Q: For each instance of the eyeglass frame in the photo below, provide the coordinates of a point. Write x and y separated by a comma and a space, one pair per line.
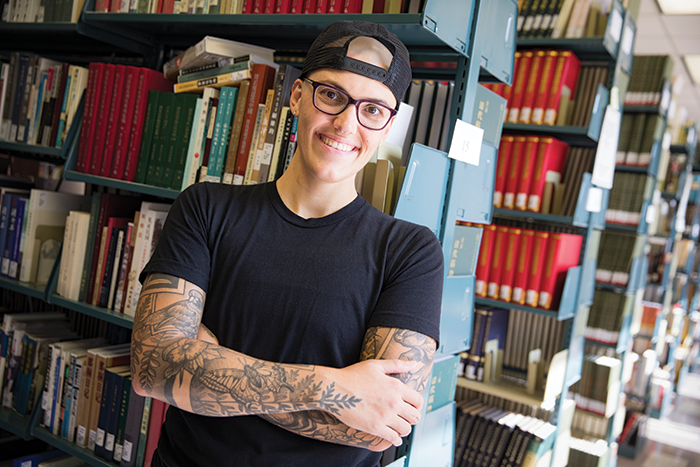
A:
351, 100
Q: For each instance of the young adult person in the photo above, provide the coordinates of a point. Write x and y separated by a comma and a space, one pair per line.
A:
291, 323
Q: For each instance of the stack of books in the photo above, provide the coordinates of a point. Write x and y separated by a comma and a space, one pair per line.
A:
649, 72
599, 378
585, 452
525, 266
615, 255
627, 197
39, 99
562, 18
41, 11
605, 318
638, 132
486, 435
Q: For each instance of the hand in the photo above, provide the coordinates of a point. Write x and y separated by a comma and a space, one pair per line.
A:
387, 407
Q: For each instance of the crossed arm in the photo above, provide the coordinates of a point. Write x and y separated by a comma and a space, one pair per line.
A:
360, 405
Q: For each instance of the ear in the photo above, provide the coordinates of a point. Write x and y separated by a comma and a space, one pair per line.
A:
295, 97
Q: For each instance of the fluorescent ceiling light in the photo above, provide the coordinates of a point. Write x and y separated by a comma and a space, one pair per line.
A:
692, 63
679, 7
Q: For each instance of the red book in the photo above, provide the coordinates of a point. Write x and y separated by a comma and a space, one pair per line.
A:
258, 7
563, 251
154, 426
520, 80
113, 120
511, 185
149, 80
114, 6
512, 250
168, 6
536, 267
126, 117
378, 6
528, 156
549, 168
352, 6
497, 88
269, 6
87, 129
100, 119
335, 6
321, 6
65, 69
110, 206
545, 84
283, 6
504, 152
297, 6
309, 6
112, 222
563, 84
102, 6
499, 249
531, 88
483, 265
522, 268
247, 7
263, 79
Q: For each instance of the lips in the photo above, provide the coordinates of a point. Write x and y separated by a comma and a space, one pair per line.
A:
336, 145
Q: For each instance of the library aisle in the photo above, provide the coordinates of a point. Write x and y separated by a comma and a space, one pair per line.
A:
674, 440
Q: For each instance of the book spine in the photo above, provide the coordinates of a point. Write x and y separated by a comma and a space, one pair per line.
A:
484, 263
539, 250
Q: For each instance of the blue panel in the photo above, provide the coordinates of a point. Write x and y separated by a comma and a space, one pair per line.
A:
567, 305
635, 274
489, 113
456, 318
624, 336
475, 203
602, 99
655, 158
625, 57
423, 191
643, 225
433, 439
611, 39
587, 282
575, 363
495, 37
581, 216
450, 21
598, 218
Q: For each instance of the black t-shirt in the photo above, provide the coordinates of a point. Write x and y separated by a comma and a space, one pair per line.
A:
290, 290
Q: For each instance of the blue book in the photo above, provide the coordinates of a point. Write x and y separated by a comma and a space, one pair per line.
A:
10, 235
495, 327
33, 460
225, 130
4, 218
17, 242
103, 419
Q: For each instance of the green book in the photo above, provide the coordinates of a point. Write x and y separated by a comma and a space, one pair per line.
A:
635, 142
148, 128
188, 140
121, 424
143, 432
92, 232
623, 142
226, 132
168, 139
161, 136
182, 126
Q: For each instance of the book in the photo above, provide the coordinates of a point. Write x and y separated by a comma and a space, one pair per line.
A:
520, 80
494, 277
222, 130
512, 249
502, 165
235, 133
157, 413
131, 428
209, 50
161, 130
548, 168
125, 117
225, 79
259, 148
527, 164
197, 140
563, 251
520, 281
566, 75
207, 135
484, 261
112, 120
530, 90
544, 86
536, 267
510, 187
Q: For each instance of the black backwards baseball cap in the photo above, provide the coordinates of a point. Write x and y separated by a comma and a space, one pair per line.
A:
359, 38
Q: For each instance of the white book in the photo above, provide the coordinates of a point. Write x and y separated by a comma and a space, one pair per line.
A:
78, 249
142, 252
194, 153
115, 267
45, 208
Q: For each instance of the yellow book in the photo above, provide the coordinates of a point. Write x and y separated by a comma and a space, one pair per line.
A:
218, 81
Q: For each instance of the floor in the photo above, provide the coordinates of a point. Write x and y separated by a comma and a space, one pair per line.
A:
673, 441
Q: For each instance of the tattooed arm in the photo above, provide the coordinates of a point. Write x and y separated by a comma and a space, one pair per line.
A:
169, 363
379, 343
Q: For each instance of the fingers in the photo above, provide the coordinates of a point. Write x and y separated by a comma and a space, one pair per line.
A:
396, 366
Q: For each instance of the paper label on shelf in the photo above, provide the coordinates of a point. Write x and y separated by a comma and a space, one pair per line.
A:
604, 167
627, 40
466, 143
666, 142
594, 201
534, 356
665, 99
650, 216
615, 25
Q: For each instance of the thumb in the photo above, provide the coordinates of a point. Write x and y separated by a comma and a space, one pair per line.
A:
396, 366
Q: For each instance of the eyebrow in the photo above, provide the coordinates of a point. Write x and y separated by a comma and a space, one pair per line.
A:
377, 100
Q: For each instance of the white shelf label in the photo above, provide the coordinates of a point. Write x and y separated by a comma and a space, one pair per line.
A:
466, 143
594, 201
627, 40
604, 167
615, 25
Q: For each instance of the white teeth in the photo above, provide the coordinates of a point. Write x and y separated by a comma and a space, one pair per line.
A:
337, 145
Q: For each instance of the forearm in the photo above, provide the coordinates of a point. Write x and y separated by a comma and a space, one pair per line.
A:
170, 364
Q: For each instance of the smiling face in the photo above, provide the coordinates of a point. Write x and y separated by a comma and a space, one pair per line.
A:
333, 148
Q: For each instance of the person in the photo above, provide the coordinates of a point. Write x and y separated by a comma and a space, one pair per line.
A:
291, 323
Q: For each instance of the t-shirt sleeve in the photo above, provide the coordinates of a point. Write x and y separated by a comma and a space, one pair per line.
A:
412, 296
182, 250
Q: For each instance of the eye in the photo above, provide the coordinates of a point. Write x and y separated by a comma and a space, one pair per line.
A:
373, 110
330, 95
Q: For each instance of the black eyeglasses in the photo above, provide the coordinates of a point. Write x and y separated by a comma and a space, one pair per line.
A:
333, 101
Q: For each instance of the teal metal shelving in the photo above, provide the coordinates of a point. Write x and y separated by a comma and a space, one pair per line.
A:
68, 447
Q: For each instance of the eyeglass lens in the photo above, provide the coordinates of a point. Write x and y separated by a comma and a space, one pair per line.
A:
333, 101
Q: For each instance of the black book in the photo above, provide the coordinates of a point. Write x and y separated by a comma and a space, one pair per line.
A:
464, 432
476, 435
503, 441
488, 429
483, 457
114, 241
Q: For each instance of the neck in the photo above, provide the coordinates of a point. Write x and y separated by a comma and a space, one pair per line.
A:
309, 198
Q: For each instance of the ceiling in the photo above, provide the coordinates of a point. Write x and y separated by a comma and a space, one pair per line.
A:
674, 35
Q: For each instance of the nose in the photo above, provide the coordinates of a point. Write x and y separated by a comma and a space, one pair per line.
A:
346, 121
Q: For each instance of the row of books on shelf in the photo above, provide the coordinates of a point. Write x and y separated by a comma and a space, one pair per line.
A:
633, 426
517, 332
616, 252
562, 18
524, 266
544, 83
599, 387
48, 458
605, 317
487, 435
626, 198
260, 6
638, 132
649, 73
587, 424
39, 99
36, 11
82, 387
588, 453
